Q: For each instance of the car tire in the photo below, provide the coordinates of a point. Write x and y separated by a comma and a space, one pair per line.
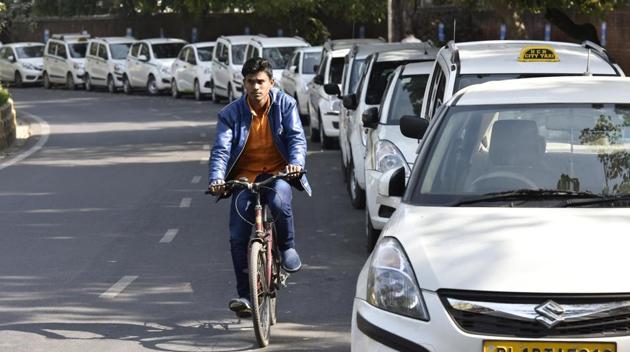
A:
344, 169
357, 195
303, 118
371, 232
197, 91
127, 85
327, 142
88, 83
152, 87
46, 80
111, 84
17, 80
230, 94
70, 85
215, 96
314, 132
174, 91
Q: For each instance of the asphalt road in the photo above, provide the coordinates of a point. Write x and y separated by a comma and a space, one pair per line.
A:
107, 242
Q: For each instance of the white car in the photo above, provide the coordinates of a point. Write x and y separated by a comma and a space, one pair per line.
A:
227, 62
22, 63
324, 108
149, 64
512, 232
462, 64
300, 70
379, 65
192, 70
105, 62
386, 147
64, 60
278, 51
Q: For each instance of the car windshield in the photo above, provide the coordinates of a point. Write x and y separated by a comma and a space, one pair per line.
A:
278, 57
407, 97
119, 51
336, 69
378, 79
77, 50
557, 147
238, 54
167, 50
358, 65
27, 52
205, 53
310, 61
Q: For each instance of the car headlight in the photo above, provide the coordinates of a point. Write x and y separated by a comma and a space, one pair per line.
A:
78, 66
28, 66
165, 70
118, 68
392, 285
387, 156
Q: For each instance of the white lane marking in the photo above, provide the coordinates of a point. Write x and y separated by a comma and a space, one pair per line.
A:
44, 132
203, 161
118, 287
196, 179
185, 203
169, 236
206, 147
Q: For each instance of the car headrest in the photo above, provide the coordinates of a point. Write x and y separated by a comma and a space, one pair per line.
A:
516, 143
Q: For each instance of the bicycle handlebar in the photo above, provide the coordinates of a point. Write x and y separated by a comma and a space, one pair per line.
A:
257, 185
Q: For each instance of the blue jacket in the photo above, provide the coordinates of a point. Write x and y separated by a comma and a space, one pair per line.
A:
233, 127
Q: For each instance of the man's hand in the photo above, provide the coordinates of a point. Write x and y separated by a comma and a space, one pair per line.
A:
217, 187
293, 170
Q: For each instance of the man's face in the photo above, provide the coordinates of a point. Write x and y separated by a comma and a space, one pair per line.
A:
257, 86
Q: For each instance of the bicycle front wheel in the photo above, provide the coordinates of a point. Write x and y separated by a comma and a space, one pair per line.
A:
259, 292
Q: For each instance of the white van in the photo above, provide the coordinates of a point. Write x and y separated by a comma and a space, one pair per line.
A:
105, 62
22, 63
149, 64
64, 60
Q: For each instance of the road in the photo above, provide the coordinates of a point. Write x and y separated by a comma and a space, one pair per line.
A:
107, 242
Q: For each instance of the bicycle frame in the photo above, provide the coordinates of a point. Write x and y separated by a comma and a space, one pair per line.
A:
263, 233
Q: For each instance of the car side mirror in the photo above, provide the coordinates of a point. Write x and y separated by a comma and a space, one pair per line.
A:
350, 101
11, 58
370, 118
392, 183
319, 79
332, 89
143, 58
223, 59
293, 69
413, 126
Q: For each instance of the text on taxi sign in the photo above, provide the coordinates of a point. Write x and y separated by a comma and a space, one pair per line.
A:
538, 54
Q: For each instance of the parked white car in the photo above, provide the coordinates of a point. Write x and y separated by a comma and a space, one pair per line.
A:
149, 64
511, 235
64, 60
105, 62
324, 108
379, 65
278, 51
462, 64
227, 63
386, 147
22, 63
192, 70
299, 72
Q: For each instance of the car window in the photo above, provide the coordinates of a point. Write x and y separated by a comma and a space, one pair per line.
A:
437, 78
378, 79
407, 97
205, 53
102, 52
52, 48
119, 51
190, 58
309, 62
224, 52
321, 68
336, 68
144, 50
26, 52
77, 50
93, 49
182, 54
61, 51
295, 61
134, 49
167, 50
3, 53
238, 54
219, 50
356, 73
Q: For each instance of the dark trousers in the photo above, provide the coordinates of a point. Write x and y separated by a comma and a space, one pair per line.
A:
279, 202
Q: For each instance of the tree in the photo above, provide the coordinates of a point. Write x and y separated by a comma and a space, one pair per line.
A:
12, 11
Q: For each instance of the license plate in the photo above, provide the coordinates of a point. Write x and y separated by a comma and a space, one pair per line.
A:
544, 346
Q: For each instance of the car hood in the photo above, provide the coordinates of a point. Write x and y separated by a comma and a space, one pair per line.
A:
165, 62
37, 61
406, 145
533, 250
277, 75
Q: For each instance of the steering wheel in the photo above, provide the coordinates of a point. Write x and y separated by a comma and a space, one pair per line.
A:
502, 181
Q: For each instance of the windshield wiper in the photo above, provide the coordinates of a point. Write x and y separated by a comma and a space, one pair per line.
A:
622, 197
527, 194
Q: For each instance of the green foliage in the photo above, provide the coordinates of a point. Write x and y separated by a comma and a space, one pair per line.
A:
4, 95
588, 7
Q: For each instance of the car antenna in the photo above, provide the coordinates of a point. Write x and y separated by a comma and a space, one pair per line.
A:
588, 64
454, 29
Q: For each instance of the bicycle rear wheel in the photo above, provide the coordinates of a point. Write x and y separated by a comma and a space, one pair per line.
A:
259, 292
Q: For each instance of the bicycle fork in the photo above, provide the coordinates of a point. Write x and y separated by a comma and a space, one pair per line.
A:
267, 240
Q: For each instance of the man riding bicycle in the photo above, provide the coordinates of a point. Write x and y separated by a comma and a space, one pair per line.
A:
258, 135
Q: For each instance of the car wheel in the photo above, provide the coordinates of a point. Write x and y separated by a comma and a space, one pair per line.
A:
47, 84
127, 85
357, 195
198, 95
111, 85
344, 169
371, 232
174, 91
88, 82
315, 132
18, 79
215, 96
230, 94
70, 82
303, 118
152, 87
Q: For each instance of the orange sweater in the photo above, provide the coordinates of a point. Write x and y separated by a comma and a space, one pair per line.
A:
260, 154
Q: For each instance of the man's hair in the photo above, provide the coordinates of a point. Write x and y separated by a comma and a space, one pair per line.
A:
255, 65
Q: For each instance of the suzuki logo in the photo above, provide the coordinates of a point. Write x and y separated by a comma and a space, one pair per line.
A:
550, 314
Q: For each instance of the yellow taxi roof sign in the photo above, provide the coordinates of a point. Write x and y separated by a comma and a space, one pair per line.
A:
538, 53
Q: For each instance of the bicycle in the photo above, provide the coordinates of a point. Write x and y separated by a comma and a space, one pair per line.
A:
265, 275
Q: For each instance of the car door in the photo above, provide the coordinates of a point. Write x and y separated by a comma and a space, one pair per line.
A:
59, 66
191, 70
179, 66
290, 74
102, 64
141, 70
221, 65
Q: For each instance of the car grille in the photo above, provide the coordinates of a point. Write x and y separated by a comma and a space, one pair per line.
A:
604, 324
